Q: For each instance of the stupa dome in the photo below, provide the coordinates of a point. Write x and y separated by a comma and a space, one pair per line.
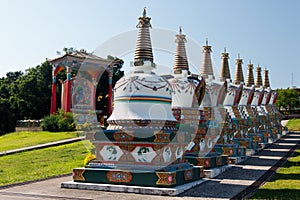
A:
184, 92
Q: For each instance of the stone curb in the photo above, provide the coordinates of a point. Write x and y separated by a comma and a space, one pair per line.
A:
41, 146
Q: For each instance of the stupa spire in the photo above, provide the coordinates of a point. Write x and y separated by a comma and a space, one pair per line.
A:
206, 68
143, 50
258, 81
180, 62
225, 72
239, 76
250, 76
266, 79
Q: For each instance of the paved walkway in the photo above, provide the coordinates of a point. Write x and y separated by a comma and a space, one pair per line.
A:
231, 184
40, 146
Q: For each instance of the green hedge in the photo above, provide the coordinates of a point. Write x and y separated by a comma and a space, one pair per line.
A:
61, 121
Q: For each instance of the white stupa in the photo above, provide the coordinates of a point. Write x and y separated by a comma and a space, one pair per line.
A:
142, 99
183, 89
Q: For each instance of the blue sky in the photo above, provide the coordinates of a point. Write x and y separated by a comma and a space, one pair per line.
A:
267, 32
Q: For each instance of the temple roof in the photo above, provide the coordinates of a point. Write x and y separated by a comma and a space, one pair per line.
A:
143, 51
76, 58
225, 72
239, 76
181, 61
258, 81
250, 76
206, 68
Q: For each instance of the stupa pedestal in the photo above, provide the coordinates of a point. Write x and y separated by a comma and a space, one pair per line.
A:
123, 159
201, 151
238, 143
203, 131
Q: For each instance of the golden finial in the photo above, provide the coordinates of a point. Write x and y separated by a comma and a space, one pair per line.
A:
144, 12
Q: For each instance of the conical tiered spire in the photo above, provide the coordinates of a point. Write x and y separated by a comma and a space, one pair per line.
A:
239, 76
225, 72
206, 68
143, 51
266, 79
181, 62
250, 76
258, 81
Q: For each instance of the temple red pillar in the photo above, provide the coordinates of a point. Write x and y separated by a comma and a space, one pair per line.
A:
68, 91
53, 97
110, 94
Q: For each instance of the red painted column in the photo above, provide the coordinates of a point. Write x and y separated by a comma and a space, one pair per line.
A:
68, 91
53, 97
110, 93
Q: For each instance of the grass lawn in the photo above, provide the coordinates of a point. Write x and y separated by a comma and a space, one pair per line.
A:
293, 125
24, 139
285, 184
42, 163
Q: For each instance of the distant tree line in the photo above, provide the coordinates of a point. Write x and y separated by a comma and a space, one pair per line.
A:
25, 96
288, 101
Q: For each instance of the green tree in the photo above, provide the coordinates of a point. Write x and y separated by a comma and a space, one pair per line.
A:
34, 92
7, 117
288, 99
29, 93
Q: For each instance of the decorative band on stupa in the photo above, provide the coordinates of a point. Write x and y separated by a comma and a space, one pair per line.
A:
225, 72
266, 79
206, 68
250, 76
239, 77
143, 51
180, 62
258, 81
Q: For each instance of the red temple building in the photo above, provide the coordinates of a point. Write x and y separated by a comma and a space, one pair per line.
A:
91, 68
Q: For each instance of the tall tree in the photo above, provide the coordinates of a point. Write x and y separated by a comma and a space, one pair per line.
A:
7, 117
288, 99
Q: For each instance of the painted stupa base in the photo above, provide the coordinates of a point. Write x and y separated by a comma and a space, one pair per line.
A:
268, 136
243, 142
251, 146
211, 160
104, 174
167, 191
273, 135
187, 117
213, 172
152, 158
256, 139
234, 152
